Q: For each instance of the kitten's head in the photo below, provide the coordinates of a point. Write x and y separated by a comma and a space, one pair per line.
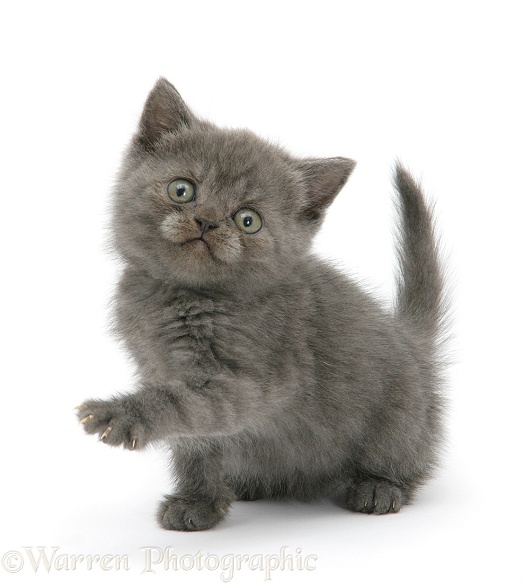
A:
210, 207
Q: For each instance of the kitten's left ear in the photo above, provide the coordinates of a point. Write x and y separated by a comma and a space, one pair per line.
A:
165, 111
323, 179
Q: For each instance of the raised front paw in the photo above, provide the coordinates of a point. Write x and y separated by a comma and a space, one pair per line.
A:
188, 514
375, 496
117, 422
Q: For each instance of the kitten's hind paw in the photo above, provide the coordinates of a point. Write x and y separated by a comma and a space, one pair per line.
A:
375, 496
177, 513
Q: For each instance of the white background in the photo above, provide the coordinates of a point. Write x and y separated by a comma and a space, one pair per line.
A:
439, 85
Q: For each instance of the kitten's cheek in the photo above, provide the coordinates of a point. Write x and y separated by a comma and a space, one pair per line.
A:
229, 252
172, 228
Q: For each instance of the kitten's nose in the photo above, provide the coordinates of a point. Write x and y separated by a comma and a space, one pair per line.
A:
204, 224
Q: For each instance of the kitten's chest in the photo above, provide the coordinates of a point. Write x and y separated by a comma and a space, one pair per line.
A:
177, 334
191, 330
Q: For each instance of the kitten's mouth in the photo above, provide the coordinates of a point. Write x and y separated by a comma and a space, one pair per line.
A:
199, 244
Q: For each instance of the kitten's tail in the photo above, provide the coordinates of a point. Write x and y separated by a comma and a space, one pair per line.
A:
420, 283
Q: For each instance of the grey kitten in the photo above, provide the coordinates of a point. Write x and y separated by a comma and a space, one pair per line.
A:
267, 372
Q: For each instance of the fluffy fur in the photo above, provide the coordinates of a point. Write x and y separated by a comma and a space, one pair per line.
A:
267, 372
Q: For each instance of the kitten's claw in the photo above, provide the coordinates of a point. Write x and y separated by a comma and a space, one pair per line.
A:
105, 433
375, 496
115, 422
176, 513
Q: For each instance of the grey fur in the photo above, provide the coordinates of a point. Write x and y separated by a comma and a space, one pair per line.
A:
268, 373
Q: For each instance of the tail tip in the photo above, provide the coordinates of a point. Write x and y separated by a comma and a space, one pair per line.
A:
403, 178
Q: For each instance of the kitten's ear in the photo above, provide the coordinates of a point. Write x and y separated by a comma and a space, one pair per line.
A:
323, 178
165, 111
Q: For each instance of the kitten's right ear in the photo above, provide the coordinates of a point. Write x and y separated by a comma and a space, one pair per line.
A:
165, 111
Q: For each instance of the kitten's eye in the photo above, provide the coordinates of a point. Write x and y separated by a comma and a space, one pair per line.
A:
247, 221
181, 191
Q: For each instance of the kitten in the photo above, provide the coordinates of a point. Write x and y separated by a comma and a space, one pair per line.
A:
267, 372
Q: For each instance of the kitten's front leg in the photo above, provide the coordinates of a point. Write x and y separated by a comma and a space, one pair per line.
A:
202, 498
159, 411
118, 421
